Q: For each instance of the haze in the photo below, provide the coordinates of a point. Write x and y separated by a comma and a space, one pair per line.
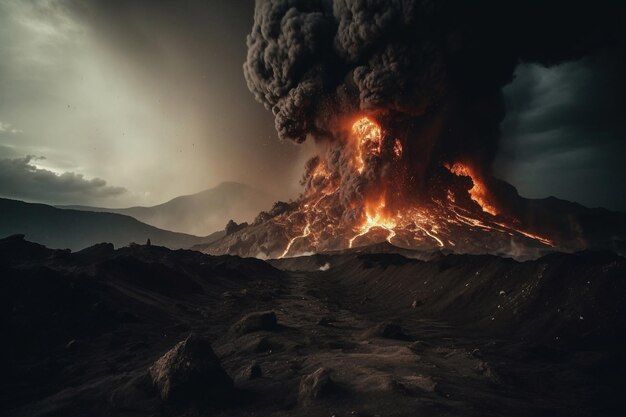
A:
136, 102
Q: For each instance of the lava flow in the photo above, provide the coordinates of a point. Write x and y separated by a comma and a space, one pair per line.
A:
360, 192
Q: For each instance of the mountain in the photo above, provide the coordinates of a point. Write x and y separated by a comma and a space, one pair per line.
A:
566, 226
74, 229
105, 332
202, 213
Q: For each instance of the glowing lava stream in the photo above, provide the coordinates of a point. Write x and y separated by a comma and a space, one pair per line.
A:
317, 223
439, 241
543, 240
305, 233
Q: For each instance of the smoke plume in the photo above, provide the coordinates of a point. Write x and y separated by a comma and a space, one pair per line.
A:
404, 98
410, 63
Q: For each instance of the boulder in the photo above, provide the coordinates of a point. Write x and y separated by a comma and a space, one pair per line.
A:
254, 322
252, 371
191, 372
315, 385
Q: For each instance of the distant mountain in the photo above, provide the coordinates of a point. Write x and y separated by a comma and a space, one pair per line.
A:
202, 213
74, 229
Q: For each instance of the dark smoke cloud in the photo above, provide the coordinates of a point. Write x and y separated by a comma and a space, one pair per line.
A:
411, 62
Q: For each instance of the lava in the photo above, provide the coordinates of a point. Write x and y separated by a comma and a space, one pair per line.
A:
478, 192
355, 194
368, 141
376, 217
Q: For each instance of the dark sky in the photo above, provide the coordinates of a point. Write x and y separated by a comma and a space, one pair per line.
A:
565, 131
138, 101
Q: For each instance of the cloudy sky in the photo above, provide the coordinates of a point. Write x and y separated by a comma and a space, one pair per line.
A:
118, 103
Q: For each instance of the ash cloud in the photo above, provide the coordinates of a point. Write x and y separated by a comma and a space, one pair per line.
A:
411, 63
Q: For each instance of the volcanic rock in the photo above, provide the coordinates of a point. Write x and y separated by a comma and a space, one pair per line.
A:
387, 331
191, 371
418, 346
251, 371
254, 322
315, 385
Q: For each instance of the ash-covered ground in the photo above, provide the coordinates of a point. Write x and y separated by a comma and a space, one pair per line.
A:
144, 330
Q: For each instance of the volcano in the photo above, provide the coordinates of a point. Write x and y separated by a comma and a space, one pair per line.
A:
403, 101
458, 211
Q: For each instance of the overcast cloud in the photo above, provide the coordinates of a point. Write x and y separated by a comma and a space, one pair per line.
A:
565, 131
149, 95
21, 178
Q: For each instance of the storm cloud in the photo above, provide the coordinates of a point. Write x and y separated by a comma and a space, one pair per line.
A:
565, 132
150, 94
318, 64
20, 178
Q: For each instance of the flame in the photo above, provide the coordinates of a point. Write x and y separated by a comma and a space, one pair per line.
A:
368, 141
375, 216
328, 218
478, 192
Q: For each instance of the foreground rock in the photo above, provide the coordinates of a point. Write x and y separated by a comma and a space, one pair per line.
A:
254, 322
190, 372
314, 386
387, 331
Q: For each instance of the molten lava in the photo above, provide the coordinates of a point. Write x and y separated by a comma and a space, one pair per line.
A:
478, 192
375, 216
368, 140
361, 191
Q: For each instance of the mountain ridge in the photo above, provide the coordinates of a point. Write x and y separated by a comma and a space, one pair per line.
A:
200, 213
76, 229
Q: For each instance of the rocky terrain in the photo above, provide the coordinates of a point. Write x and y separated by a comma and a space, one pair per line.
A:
568, 226
145, 330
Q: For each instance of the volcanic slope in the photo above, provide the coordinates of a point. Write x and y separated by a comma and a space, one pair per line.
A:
283, 232
369, 334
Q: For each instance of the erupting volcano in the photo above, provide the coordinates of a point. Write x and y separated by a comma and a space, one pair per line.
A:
404, 102
361, 191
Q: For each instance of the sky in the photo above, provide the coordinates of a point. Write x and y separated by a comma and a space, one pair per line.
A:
120, 103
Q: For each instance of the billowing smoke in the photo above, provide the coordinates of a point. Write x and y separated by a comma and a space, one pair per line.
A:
428, 74
410, 62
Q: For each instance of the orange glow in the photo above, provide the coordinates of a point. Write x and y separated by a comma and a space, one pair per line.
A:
369, 141
478, 192
375, 216
305, 233
328, 218
397, 148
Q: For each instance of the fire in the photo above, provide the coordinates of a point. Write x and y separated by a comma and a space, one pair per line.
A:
342, 208
478, 192
369, 141
376, 217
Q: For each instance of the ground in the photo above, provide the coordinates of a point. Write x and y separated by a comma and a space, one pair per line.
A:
368, 334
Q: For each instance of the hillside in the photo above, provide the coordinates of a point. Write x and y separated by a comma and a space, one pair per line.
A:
202, 213
74, 229
370, 334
